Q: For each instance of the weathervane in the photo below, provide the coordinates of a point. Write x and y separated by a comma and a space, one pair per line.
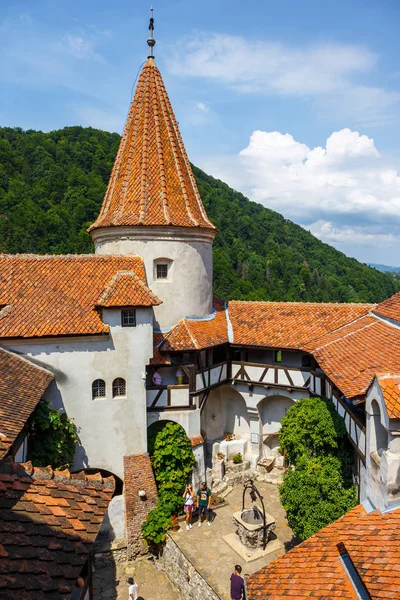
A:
151, 42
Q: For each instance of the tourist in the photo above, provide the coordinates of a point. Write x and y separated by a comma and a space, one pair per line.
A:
179, 374
157, 379
203, 502
188, 496
237, 584
133, 589
78, 589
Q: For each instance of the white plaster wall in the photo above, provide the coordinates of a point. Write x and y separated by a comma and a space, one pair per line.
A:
108, 428
188, 289
272, 410
225, 411
199, 468
189, 419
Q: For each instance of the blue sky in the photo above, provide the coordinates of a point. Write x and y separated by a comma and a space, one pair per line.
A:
296, 103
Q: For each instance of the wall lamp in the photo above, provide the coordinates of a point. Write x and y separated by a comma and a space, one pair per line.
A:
142, 494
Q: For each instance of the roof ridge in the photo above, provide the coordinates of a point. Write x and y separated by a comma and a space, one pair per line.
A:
27, 360
11, 468
91, 256
347, 335
297, 302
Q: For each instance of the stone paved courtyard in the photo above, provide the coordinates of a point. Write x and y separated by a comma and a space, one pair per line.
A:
110, 582
212, 557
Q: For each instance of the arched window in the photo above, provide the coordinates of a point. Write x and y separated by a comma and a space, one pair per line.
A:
119, 387
98, 389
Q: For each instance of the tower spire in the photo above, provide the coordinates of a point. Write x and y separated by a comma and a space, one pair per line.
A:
151, 42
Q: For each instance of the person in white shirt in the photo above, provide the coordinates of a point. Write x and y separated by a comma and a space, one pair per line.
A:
133, 589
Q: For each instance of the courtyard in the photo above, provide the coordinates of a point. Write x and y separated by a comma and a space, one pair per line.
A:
213, 558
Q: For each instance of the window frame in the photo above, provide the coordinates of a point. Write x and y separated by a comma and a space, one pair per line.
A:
101, 384
162, 265
124, 314
117, 384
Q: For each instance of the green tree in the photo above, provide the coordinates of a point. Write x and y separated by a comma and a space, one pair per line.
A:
172, 459
311, 428
53, 438
319, 489
316, 494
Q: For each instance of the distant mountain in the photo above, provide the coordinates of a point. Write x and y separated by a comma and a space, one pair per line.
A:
385, 268
52, 186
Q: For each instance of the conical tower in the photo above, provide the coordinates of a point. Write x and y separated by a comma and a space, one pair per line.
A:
152, 206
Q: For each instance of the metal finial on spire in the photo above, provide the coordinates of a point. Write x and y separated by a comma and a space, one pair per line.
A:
151, 42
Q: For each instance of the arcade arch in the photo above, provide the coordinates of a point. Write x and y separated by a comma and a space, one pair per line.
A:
272, 409
225, 412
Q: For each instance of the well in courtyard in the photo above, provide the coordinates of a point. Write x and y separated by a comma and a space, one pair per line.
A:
214, 558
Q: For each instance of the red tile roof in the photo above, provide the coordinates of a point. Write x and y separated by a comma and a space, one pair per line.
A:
313, 569
22, 385
390, 308
288, 324
48, 521
152, 181
390, 387
189, 334
352, 355
57, 295
159, 358
126, 289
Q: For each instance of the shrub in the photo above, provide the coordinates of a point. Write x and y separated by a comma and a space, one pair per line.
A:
311, 428
319, 490
172, 459
53, 438
315, 494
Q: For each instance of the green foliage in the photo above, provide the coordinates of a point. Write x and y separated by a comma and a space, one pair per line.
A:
316, 494
53, 438
172, 458
52, 186
311, 428
157, 523
319, 489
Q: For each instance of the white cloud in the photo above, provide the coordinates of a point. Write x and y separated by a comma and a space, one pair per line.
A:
202, 106
325, 71
344, 192
80, 47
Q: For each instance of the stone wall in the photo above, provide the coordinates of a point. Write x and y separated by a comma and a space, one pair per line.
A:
138, 475
182, 573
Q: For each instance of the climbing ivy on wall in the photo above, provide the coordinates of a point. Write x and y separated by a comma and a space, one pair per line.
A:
172, 459
53, 438
318, 489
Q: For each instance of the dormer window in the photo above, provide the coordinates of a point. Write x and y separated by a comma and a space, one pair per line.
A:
128, 318
162, 271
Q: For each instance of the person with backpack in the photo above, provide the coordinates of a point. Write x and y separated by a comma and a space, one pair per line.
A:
188, 496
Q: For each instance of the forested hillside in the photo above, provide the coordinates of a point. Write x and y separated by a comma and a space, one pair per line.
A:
52, 185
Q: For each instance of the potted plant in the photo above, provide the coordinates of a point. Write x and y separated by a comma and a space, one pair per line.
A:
220, 456
174, 523
237, 458
229, 437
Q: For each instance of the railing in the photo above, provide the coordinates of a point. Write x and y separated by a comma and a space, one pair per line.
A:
168, 397
282, 376
210, 377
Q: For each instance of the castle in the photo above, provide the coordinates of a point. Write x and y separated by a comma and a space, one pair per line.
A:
103, 324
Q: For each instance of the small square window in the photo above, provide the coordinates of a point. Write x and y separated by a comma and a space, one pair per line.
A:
128, 318
278, 356
162, 271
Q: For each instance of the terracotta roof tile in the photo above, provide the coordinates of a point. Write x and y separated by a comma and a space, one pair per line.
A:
390, 387
314, 569
22, 385
126, 289
189, 334
159, 358
152, 181
56, 295
43, 552
390, 308
288, 324
352, 355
